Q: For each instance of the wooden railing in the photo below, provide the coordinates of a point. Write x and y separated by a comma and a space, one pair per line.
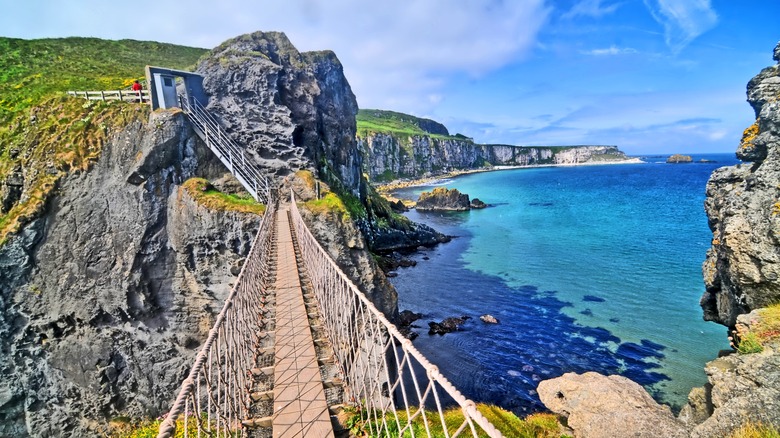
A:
125, 95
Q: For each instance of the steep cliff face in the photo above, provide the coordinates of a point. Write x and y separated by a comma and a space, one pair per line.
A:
292, 110
741, 275
388, 156
742, 269
106, 297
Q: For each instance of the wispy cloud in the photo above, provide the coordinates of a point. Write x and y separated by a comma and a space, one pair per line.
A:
683, 20
610, 51
590, 8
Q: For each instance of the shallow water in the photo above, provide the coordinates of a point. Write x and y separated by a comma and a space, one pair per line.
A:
587, 268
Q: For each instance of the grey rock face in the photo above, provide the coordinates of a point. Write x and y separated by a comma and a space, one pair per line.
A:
105, 299
291, 110
742, 269
598, 406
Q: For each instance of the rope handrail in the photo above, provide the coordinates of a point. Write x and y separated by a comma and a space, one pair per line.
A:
226, 149
385, 375
215, 394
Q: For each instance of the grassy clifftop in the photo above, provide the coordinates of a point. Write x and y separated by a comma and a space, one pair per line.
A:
399, 124
43, 135
31, 70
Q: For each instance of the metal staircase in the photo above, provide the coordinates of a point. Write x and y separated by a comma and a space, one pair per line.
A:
228, 151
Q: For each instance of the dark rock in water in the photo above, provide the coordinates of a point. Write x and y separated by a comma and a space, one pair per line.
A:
407, 317
489, 319
593, 298
391, 274
442, 199
426, 258
404, 323
476, 203
449, 325
679, 158
587, 312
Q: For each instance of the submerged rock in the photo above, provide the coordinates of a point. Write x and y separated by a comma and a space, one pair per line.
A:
476, 203
598, 406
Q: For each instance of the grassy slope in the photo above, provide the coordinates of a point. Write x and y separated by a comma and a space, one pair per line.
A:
390, 122
66, 134
30, 70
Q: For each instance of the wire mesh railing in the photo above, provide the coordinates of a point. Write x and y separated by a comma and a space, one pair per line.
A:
394, 388
227, 150
214, 399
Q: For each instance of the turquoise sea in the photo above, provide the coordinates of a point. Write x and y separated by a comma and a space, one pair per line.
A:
587, 268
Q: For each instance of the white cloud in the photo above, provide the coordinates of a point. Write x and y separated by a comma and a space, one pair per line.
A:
590, 8
610, 51
683, 20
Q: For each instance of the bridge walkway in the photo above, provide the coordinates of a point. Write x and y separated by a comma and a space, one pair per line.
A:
300, 406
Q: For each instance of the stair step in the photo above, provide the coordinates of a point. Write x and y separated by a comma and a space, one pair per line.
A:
254, 423
262, 395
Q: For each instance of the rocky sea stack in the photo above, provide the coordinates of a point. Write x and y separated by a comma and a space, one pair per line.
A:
679, 158
443, 199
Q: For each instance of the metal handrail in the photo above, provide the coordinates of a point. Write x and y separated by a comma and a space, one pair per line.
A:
227, 150
391, 382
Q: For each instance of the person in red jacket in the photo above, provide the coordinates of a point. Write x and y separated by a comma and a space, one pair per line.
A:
137, 87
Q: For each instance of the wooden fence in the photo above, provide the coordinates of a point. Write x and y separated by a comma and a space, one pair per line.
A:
125, 95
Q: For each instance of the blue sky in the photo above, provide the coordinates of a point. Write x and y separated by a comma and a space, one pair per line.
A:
651, 76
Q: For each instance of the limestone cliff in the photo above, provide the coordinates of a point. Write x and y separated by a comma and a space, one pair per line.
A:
105, 298
388, 156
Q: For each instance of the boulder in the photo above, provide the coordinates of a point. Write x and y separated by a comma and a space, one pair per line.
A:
599, 406
443, 199
489, 319
678, 158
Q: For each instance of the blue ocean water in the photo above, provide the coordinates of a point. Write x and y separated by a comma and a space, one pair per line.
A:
591, 268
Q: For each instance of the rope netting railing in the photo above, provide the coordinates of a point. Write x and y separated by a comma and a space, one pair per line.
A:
394, 388
215, 397
229, 152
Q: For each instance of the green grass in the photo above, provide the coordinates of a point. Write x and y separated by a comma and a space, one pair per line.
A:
124, 427
67, 135
398, 124
205, 194
756, 430
45, 136
31, 70
533, 426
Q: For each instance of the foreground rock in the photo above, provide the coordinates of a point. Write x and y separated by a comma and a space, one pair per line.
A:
741, 388
598, 406
679, 158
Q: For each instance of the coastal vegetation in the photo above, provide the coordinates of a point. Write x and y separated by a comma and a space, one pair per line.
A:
31, 70
45, 136
400, 125
207, 195
60, 136
539, 425
763, 330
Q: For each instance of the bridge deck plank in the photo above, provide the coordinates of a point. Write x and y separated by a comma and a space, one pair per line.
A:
300, 409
